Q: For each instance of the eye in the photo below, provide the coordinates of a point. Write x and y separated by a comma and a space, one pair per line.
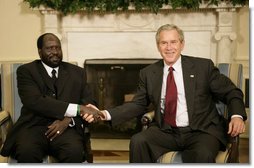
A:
174, 42
163, 43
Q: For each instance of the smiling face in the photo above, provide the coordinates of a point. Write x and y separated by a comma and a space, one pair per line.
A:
51, 51
170, 45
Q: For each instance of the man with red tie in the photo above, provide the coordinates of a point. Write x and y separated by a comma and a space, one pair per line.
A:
183, 91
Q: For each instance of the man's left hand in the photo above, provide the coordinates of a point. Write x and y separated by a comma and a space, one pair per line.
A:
236, 126
57, 128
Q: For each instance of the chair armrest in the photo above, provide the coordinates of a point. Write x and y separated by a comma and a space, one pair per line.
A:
5, 123
146, 119
4, 116
234, 150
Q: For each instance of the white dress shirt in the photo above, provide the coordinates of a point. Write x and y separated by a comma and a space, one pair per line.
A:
182, 119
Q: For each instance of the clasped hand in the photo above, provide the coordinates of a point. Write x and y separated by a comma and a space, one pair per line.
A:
90, 113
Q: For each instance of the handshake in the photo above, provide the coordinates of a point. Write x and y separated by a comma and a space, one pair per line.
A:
91, 114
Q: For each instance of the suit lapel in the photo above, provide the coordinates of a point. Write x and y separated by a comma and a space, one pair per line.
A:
189, 79
62, 77
45, 76
157, 81
157, 78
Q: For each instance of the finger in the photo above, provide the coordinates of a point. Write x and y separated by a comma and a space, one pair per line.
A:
91, 120
92, 106
87, 117
52, 133
50, 129
243, 130
235, 130
229, 128
53, 136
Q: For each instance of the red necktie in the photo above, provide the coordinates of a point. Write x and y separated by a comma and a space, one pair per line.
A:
171, 99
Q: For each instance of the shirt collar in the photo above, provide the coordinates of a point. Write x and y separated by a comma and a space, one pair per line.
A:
176, 65
49, 69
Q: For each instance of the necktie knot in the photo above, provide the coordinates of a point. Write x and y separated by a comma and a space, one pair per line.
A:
53, 72
171, 69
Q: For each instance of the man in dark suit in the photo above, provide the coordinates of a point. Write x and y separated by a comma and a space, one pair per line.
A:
198, 129
49, 123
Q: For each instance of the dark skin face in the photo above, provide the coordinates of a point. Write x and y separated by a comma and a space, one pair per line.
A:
51, 52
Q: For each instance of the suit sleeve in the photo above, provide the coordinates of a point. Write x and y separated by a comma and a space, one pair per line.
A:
227, 92
136, 107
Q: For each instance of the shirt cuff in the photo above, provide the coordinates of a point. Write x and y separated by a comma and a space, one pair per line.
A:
239, 116
71, 110
108, 116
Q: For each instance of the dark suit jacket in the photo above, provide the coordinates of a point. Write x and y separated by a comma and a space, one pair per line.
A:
36, 92
201, 91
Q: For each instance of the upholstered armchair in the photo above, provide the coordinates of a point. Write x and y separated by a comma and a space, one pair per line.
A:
231, 155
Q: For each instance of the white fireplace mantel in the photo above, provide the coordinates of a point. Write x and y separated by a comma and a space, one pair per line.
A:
209, 32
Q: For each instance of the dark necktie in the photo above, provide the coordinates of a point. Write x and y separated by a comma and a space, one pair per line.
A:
53, 72
54, 79
171, 100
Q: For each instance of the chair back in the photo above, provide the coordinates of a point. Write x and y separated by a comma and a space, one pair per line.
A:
235, 72
10, 98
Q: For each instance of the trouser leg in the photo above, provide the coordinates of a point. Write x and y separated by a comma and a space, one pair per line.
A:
201, 148
148, 145
68, 147
31, 145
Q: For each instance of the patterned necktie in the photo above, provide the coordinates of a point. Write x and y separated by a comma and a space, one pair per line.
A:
53, 72
171, 100
54, 79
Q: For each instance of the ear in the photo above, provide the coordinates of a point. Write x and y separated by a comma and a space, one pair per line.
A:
39, 52
182, 45
157, 44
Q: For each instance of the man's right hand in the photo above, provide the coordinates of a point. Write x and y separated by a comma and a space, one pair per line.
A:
91, 114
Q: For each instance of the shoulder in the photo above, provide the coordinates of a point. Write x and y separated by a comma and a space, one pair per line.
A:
154, 67
197, 60
30, 65
71, 67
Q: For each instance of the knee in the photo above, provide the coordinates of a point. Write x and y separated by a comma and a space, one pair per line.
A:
201, 155
28, 154
73, 154
205, 155
137, 140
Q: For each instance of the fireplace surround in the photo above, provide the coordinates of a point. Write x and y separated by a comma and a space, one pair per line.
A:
113, 82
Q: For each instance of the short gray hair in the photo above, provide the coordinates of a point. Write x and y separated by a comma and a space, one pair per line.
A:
169, 27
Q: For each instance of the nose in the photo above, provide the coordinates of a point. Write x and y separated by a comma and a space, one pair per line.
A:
169, 46
54, 50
